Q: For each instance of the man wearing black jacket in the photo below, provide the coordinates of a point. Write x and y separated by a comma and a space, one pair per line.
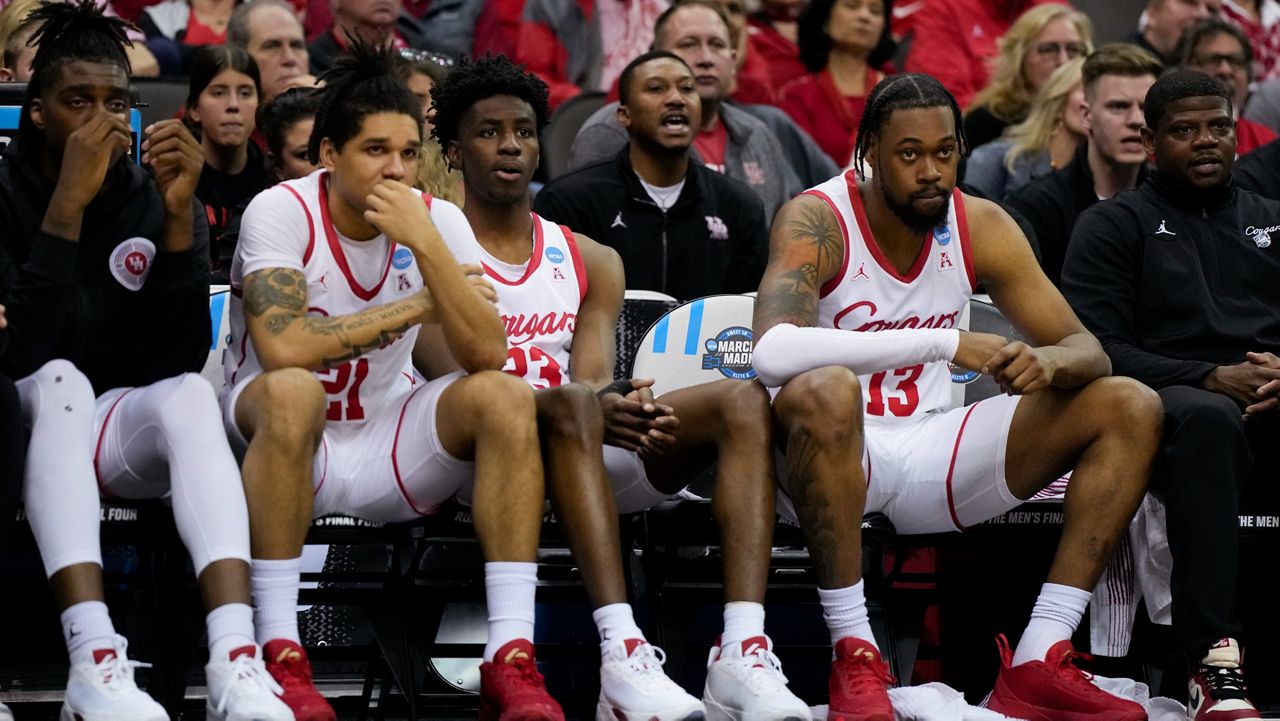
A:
1177, 280
1116, 80
680, 228
104, 278
1259, 171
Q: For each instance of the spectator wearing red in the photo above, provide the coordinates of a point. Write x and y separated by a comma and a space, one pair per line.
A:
843, 43
956, 41
583, 45
1220, 49
1260, 21
1039, 42
754, 83
175, 28
772, 34
385, 21
141, 61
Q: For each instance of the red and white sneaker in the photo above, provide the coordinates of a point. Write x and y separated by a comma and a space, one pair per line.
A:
859, 683
1054, 690
1216, 689
511, 689
288, 665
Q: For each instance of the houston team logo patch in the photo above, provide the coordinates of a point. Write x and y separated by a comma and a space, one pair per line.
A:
131, 261
730, 353
555, 255
1261, 236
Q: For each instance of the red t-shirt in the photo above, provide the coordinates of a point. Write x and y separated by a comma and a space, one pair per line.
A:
200, 34
831, 119
780, 55
710, 144
1251, 136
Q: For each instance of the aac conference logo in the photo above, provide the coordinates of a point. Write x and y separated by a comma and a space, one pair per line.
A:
730, 353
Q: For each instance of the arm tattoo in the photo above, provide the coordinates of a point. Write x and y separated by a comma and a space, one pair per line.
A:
275, 288
359, 349
792, 295
814, 224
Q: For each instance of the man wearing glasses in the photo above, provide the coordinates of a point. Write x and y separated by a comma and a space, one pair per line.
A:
1218, 48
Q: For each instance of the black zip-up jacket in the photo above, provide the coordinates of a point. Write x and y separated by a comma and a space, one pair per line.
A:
714, 239
63, 299
1051, 205
1259, 171
1175, 282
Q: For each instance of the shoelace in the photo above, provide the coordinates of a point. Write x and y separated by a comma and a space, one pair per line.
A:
116, 672
525, 670
1069, 671
878, 677
769, 667
248, 669
1225, 683
647, 662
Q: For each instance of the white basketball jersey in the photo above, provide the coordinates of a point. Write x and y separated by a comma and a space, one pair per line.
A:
539, 302
366, 387
869, 294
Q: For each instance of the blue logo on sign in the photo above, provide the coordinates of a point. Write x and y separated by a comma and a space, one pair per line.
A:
730, 353
402, 258
555, 255
942, 234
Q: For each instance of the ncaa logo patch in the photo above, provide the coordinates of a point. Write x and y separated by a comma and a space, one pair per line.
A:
555, 255
130, 262
402, 258
730, 353
942, 234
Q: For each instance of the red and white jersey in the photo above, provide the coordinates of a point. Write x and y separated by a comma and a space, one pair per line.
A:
288, 226
538, 301
869, 294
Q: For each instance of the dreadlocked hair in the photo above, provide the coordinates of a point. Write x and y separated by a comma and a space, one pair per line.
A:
68, 32
361, 83
474, 80
909, 91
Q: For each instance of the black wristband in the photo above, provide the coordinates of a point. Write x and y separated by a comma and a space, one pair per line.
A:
622, 388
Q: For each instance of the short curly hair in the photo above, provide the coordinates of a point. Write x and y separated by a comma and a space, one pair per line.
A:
471, 81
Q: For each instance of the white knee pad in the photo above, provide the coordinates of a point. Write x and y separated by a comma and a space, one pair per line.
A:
60, 490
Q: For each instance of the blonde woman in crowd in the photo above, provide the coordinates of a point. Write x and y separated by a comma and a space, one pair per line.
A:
1037, 146
1040, 41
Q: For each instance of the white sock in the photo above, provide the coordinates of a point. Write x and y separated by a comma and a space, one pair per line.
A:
1055, 617
230, 627
509, 588
845, 611
742, 620
615, 622
87, 627
275, 598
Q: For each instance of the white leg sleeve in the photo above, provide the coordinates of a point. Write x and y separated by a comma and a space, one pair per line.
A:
785, 351
168, 438
60, 493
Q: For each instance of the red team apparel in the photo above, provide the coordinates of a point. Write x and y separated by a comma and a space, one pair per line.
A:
380, 457
538, 301
929, 469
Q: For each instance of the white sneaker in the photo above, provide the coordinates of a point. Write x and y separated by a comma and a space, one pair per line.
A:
105, 690
745, 683
633, 686
240, 689
5, 713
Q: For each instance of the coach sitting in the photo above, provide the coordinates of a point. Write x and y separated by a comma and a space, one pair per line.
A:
1177, 280
680, 228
